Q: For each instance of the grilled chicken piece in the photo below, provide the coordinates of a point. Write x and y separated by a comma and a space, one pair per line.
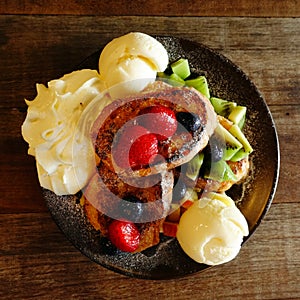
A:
180, 148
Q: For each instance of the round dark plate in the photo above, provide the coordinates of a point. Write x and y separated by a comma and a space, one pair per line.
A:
253, 197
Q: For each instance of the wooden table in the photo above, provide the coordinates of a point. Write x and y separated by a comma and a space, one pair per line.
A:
44, 40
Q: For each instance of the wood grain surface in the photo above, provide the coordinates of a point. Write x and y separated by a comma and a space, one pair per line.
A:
36, 259
266, 8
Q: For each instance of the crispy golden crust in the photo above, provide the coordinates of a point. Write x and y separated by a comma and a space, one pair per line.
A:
104, 194
149, 231
110, 185
177, 150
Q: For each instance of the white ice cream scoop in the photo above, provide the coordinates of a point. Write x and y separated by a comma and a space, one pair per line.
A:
211, 231
129, 63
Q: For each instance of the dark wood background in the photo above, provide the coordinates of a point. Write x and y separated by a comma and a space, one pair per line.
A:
42, 40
